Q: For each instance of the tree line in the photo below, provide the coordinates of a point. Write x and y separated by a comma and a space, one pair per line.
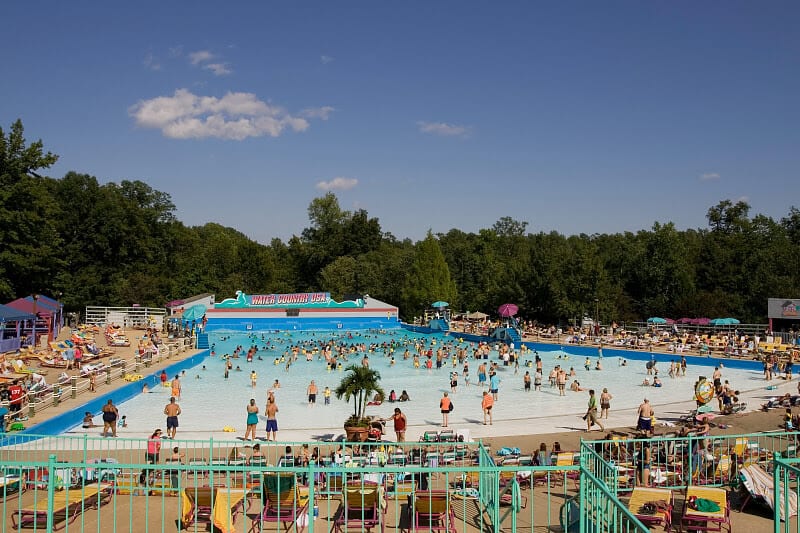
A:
120, 243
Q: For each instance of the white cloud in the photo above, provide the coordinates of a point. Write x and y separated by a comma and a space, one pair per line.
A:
443, 129
201, 56
219, 69
176, 51
338, 183
236, 116
326, 59
151, 62
317, 112
709, 176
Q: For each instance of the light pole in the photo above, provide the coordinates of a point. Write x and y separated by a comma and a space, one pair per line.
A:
35, 318
597, 316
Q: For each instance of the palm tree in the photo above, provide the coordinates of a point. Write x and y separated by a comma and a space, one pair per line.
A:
359, 383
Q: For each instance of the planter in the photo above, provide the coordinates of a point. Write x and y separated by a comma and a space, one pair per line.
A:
356, 433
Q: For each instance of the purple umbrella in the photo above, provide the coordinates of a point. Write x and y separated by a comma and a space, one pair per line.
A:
507, 310
701, 322
686, 321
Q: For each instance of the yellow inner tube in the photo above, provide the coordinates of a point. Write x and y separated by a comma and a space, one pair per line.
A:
228, 429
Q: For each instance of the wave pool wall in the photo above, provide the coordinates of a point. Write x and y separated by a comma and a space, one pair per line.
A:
70, 419
301, 324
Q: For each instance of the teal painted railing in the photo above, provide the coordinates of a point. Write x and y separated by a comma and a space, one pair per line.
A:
83, 483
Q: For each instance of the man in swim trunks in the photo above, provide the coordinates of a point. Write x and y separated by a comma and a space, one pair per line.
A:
272, 420
172, 410
482, 374
645, 422
312, 393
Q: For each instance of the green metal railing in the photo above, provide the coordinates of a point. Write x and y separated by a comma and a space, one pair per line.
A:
83, 483
786, 493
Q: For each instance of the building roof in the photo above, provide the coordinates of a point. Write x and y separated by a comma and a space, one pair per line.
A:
9, 314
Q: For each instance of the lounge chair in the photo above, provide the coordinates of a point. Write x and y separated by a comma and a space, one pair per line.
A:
695, 518
285, 502
653, 507
212, 505
363, 508
67, 506
431, 511
12, 482
761, 488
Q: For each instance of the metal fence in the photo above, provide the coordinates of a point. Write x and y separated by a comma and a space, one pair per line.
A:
83, 483
126, 317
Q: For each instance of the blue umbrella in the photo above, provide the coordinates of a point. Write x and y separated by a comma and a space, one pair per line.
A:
194, 313
439, 304
656, 320
724, 322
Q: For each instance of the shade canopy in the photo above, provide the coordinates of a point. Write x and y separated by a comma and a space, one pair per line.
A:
724, 322
508, 310
194, 313
9, 314
439, 304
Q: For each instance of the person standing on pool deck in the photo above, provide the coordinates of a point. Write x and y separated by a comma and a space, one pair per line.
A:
445, 406
272, 420
400, 422
591, 413
645, 422
176, 388
110, 414
172, 410
252, 420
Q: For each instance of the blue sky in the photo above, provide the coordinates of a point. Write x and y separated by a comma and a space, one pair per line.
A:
579, 117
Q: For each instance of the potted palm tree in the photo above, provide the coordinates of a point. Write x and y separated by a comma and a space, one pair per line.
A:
358, 385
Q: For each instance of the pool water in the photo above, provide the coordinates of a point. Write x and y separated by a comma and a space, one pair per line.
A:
210, 401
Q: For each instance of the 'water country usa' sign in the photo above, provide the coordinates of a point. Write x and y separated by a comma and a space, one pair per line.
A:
783, 308
300, 299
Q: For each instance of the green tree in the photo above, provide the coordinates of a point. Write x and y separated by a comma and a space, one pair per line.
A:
359, 384
30, 254
428, 280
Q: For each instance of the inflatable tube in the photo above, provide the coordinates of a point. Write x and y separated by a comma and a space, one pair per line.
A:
704, 392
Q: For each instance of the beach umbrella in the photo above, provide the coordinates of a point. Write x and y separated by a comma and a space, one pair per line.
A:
656, 320
701, 321
439, 304
669, 321
507, 310
724, 322
477, 315
685, 321
194, 313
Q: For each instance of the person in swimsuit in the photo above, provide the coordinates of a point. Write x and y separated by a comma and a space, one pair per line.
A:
400, 422
172, 410
312, 393
444, 407
605, 403
252, 420
272, 420
486, 404
110, 414
645, 422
